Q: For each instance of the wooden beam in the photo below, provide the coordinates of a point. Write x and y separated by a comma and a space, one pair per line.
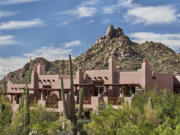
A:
46, 89
10, 93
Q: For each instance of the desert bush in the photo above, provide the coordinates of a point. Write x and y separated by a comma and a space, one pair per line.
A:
151, 113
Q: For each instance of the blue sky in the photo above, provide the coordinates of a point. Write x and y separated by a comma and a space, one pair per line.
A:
55, 28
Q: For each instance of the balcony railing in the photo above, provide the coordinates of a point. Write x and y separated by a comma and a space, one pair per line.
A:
87, 100
115, 100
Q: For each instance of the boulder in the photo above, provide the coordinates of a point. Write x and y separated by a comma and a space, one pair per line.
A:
110, 32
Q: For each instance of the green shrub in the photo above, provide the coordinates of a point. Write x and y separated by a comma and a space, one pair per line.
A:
151, 113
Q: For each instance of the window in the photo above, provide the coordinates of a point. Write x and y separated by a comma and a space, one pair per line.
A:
47, 93
98, 90
47, 86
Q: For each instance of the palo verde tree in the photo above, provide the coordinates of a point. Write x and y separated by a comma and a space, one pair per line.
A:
70, 114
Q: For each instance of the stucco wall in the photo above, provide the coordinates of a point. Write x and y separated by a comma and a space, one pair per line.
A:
106, 75
129, 77
15, 88
164, 81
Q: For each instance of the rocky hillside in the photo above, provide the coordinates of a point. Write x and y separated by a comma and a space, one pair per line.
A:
129, 56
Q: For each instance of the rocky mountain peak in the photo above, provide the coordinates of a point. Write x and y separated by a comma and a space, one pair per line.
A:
113, 33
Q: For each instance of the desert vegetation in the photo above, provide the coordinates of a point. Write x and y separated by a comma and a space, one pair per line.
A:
150, 113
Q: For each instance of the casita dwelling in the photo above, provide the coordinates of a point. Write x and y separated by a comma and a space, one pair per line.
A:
109, 85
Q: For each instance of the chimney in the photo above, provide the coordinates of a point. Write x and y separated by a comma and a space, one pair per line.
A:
112, 63
41, 68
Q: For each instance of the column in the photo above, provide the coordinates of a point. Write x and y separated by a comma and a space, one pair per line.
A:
106, 90
44, 95
41, 94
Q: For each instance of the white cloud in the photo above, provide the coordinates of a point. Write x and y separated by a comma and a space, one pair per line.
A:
108, 10
125, 3
172, 40
63, 23
81, 11
9, 2
50, 53
89, 2
10, 64
6, 13
85, 11
120, 4
152, 14
73, 43
11, 25
148, 15
7, 40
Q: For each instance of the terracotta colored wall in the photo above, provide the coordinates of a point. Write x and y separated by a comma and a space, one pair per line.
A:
19, 87
141, 76
164, 80
99, 73
129, 77
54, 81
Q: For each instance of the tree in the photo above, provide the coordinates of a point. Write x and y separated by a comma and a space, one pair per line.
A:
150, 113
5, 113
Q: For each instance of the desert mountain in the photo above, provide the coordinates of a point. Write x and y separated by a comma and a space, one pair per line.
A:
115, 43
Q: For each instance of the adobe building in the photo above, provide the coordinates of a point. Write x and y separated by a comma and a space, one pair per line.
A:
99, 85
